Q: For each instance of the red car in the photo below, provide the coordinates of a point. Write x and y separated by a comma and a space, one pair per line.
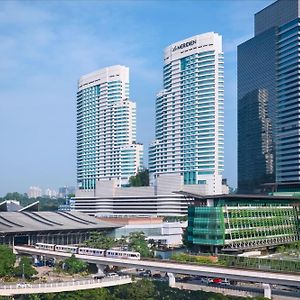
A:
217, 280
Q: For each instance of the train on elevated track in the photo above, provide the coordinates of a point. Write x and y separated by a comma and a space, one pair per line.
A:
89, 251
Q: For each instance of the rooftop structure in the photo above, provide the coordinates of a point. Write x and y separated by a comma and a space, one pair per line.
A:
50, 227
13, 205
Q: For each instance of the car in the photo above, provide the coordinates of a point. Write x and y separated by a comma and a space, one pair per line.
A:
140, 270
23, 285
98, 276
39, 264
145, 274
217, 280
206, 280
50, 263
111, 275
225, 282
156, 276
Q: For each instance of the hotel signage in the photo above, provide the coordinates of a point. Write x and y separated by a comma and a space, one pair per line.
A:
184, 45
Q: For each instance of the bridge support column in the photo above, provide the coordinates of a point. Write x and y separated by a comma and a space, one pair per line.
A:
100, 269
267, 291
35, 259
172, 281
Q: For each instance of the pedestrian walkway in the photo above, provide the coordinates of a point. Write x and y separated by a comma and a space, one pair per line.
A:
56, 287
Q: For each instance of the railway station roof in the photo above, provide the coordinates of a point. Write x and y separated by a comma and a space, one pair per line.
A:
45, 221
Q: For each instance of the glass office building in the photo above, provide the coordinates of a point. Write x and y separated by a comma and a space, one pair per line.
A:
106, 128
189, 114
243, 222
268, 99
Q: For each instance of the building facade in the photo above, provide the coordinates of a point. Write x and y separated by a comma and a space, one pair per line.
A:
106, 128
268, 92
165, 234
34, 192
243, 222
110, 199
189, 115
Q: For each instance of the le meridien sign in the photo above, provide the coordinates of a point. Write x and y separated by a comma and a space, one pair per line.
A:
184, 45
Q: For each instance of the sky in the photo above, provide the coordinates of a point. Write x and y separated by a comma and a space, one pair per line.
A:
45, 46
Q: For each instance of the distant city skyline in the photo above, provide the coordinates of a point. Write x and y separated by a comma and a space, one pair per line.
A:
60, 41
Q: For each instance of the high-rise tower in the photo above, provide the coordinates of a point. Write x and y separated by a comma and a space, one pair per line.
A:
106, 128
268, 99
189, 116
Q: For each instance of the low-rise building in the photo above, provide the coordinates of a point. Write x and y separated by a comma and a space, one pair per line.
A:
166, 234
242, 222
30, 227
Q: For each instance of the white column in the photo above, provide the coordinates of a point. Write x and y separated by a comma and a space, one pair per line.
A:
35, 258
100, 269
267, 291
172, 281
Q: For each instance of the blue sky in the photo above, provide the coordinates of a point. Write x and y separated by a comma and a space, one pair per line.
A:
45, 46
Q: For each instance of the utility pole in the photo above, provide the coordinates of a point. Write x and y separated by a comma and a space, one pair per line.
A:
23, 275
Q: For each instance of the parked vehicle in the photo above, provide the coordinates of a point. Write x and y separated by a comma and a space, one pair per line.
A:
98, 276
111, 275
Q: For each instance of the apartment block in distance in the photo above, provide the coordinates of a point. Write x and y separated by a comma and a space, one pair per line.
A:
106, 129
189, 128
268, 99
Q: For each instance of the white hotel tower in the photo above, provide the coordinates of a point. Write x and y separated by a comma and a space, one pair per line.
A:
188, 150
187, 156
106, 129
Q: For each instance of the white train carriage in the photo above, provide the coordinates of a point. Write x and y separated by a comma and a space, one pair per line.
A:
66, 248
45, 246
123, 254
91, 251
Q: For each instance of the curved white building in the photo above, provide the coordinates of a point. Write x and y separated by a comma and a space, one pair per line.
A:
106, 128
189, 116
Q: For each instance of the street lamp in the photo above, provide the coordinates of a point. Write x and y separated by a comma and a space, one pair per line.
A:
23, 275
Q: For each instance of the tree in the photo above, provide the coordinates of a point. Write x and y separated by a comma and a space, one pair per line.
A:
140, 179
185, 241
25, 267
138, 243
140, 290
7, 261
73, 265
123, 241
100, 240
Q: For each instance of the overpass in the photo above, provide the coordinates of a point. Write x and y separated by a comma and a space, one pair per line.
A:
236, 274
66, 286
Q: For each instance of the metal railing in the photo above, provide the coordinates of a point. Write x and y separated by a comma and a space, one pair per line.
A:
63, 283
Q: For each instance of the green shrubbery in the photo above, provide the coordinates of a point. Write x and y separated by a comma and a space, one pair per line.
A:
140, 290
260, 263
72, 265
136, 241
7, 264
183, 257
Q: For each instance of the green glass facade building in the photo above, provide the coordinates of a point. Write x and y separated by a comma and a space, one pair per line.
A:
243, 222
